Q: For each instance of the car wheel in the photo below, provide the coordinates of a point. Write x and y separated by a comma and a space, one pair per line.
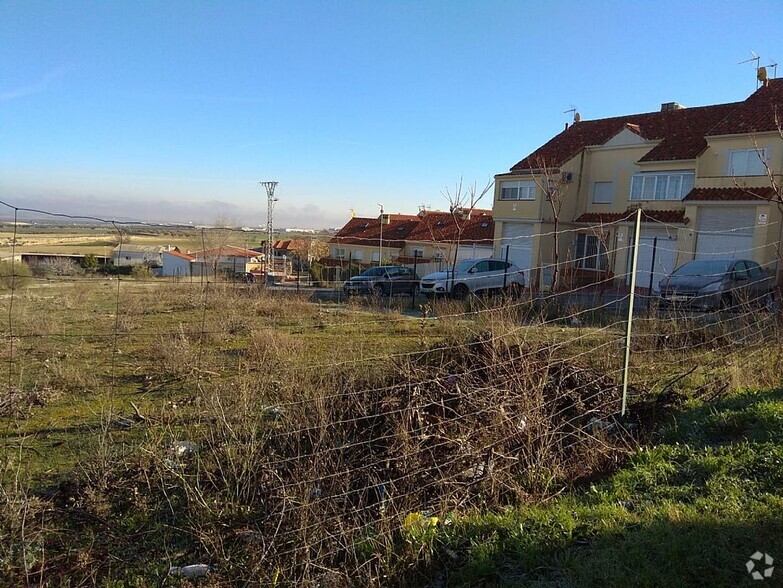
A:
726, 302
460, 291
378, 291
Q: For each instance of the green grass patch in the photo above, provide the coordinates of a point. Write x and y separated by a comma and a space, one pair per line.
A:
689, 510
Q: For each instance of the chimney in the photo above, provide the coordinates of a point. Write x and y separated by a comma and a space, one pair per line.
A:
666, 106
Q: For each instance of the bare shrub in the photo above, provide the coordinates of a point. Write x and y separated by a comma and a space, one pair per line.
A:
141, 272
18, 403
177, 353
319, 486
60, 267
14, 274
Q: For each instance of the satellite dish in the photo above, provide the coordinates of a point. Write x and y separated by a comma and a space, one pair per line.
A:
761, 74
577, 117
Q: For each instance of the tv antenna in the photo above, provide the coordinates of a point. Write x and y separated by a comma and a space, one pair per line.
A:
773, 64
575, 111
757, 59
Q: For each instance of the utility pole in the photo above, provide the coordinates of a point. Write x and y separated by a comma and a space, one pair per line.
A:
269, 262
380, 239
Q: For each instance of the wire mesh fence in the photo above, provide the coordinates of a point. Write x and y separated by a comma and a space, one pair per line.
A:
294, 438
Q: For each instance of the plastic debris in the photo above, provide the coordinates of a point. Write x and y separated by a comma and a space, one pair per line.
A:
123, 423
597, 424
184, 448
191, 571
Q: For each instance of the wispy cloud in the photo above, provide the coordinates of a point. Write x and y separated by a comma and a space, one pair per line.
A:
34, 88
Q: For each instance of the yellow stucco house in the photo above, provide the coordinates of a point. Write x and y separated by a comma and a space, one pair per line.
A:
703, 178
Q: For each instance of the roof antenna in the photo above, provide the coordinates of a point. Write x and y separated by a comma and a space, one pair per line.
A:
573, 109
755, 58
773, 64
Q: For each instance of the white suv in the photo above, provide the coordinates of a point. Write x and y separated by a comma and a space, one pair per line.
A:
474, 276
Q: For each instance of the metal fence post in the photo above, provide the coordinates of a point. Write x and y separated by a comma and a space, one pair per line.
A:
415, 273
631, 300
652, 274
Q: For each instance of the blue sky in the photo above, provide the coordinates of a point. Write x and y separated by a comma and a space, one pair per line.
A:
176, 110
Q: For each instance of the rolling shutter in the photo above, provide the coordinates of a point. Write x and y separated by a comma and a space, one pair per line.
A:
725, 233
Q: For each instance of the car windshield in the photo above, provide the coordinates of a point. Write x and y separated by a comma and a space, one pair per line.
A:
704, 267
374, 272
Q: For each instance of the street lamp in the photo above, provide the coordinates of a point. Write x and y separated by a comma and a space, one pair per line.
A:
380, 239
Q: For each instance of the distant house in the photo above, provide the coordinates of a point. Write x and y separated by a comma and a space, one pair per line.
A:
130, 255
225, 259
176, 263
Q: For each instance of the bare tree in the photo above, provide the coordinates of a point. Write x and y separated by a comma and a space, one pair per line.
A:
215, 240
773, 175
554, 185
310, 249
462, 202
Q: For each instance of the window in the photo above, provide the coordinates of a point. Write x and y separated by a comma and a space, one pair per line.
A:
740, 271
603, 192
358, 255
520, 190
498, 266
418, 252
589, 253
754, 270
747, 162
661, 186
339, 253
376, 255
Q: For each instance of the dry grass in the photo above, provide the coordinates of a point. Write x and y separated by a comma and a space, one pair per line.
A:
321, 438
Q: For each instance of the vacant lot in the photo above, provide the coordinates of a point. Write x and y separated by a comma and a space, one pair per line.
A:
151, 424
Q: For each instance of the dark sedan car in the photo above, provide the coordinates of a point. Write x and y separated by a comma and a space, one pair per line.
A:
384, 280
714, 284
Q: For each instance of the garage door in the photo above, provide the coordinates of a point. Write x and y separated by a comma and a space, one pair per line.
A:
725, 232
661, 246
517, 239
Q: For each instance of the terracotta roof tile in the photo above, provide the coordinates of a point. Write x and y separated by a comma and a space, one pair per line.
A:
427, 226
367, 231
756, 114
444, 227
680, 134
660, 216
180, 254
728, 194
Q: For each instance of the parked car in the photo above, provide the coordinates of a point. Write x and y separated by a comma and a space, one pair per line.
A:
474, 276
714, 284
384, 280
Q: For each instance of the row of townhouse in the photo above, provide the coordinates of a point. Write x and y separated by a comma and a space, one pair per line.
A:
429, 241
705, 179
